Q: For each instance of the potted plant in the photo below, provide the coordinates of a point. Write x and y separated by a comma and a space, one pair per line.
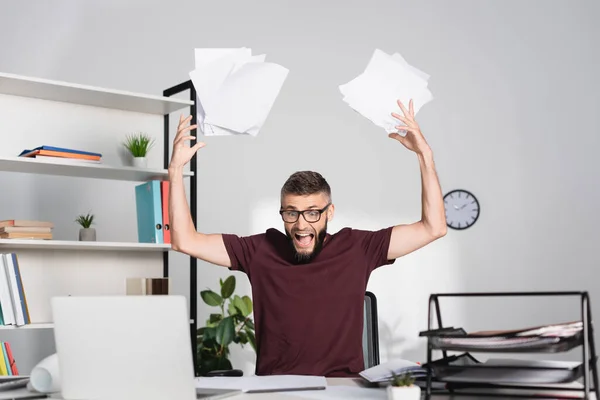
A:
139, 145
86, 232
230, 324
402, 387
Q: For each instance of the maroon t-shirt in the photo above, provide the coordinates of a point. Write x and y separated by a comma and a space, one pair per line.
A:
309, 317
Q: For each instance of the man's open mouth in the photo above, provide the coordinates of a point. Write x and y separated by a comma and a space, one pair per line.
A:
304, 239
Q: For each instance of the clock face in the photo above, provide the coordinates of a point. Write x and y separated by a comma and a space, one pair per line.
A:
462, 209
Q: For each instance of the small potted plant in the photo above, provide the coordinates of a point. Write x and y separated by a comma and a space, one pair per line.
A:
402, 387
139, 145
86, 233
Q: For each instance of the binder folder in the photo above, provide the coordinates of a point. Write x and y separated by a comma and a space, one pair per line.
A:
149, 212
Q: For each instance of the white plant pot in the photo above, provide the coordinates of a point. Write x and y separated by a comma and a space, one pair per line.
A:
140, 162
412, 392
87, 234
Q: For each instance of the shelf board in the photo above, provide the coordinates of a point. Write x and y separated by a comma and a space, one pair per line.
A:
43, 325
96, 171
83, 245
18, 85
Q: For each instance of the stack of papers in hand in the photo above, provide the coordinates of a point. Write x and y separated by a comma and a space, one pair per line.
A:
385, 371
235, 90
386, 79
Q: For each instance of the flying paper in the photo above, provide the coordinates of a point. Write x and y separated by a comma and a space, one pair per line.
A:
386, 79
235, 90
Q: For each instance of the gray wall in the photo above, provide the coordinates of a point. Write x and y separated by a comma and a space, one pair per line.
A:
514, 121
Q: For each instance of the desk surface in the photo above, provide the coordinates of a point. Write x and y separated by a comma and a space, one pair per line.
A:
377, 393
362, 393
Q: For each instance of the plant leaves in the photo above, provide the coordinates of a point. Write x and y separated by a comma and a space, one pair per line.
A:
250, 324
243, 337
251, 338
241, 305
232, 310
209, 333
225, 332
228, 287
215, 318
248, 302
211, 298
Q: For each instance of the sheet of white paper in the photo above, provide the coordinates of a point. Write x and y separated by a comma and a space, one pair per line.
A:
343, 393
263, 383
235, 90
386, 79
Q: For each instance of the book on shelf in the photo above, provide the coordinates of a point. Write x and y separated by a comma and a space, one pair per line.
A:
147, 286
13, 301
152, 211
25, 229
61, 155
8, 365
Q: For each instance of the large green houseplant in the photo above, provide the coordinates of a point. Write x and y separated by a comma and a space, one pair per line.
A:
231, 324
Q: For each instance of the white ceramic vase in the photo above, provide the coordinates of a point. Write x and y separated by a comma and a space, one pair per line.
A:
411, 392
87, 234
140, 162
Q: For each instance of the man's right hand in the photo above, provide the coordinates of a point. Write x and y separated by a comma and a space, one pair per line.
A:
182, 153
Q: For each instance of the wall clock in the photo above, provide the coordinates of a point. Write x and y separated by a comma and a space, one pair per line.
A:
462, 209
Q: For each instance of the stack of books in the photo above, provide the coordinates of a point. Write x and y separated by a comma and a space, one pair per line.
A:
25, 229
13, 301
62, 155
8, 366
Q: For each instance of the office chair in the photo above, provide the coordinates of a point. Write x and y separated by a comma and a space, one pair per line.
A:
370, 331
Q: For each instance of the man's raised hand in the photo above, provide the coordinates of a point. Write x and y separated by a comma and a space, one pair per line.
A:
182, 152
414, 139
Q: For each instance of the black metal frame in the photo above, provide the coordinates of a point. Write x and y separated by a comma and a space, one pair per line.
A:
193, 206
588, 348
374, 326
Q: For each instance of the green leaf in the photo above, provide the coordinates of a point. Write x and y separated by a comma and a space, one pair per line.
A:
209, 333
241, 305
232, 310
248, 302
211, 298
243, 337
250, 324
215, 318
251, 338
228, 287
225, 332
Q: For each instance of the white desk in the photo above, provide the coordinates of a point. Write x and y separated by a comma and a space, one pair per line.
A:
377, 393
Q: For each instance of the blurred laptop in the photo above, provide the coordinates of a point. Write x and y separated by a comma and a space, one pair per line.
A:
126, 347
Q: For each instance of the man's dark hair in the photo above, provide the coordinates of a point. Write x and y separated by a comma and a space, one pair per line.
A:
304, 183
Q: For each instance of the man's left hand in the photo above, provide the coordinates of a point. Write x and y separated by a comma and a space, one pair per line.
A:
413, 140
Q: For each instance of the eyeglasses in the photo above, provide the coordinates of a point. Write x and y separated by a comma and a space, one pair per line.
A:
309, 215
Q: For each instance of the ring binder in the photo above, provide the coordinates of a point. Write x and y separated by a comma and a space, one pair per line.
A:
523, 377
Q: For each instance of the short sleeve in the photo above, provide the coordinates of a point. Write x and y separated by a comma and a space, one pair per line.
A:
241, 250
375, 246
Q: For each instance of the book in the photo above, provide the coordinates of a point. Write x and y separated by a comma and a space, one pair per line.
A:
44, 148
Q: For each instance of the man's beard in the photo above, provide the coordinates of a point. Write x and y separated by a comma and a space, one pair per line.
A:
305, 258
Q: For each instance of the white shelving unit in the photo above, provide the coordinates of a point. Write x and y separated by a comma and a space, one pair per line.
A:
77, 251
93, 171
75, 245
18, 85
